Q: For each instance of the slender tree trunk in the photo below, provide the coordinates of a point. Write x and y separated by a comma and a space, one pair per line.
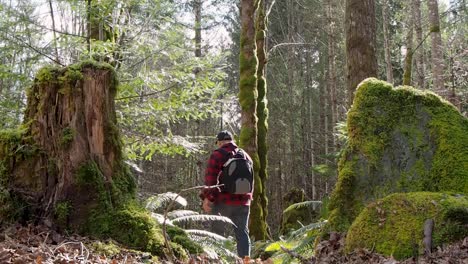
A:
197, 8
262, 110
57, 58
292, 169
388, 60
409, 48
437, 63
248, 95
360, 43
332, 70
419, 53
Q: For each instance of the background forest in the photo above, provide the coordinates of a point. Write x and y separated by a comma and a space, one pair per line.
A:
178, 66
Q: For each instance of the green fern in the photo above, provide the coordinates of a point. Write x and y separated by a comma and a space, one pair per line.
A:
202, 218
217, 248
299, 241
180, 213
159, 201
205, 234
301, 205
301, 232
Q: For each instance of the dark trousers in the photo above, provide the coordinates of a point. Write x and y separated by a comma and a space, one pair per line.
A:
239, 215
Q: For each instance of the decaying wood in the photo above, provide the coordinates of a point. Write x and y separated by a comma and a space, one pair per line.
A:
83, 108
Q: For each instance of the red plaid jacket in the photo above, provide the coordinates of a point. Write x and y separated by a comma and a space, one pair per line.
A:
215, 165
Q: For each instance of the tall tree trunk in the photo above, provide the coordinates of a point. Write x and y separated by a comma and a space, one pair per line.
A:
409, 48
248, 95
57, 58
437, 63
419, 52
262, 111
331, 80
388, 60
360, 43
197, 8
292, 167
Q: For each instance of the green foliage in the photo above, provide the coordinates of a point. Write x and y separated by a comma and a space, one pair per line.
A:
394, 225
62, 211
68, 134
300, 241
193, 240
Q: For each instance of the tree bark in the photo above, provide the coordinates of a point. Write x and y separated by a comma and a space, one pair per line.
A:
197, 8
437, 60
360, 43
388, 60
331, 82
57, 58
248, 95
419, 53
262, 112
78, 163
407, 73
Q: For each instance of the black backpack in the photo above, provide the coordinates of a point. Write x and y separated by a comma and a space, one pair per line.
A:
237, 173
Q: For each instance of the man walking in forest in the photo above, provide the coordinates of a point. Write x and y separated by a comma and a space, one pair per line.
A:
230, 167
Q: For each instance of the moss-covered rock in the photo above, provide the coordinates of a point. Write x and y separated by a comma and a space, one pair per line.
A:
400, 140
394, 225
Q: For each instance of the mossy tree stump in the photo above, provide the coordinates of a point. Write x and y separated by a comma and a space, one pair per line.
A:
70, 120
65, 165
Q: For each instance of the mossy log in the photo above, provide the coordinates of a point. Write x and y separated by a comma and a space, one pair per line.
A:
65, 165
400, 140
395, 225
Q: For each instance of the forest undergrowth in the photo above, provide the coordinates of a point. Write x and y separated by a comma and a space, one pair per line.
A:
39, 244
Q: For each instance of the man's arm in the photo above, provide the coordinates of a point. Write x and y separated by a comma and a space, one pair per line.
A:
211, 176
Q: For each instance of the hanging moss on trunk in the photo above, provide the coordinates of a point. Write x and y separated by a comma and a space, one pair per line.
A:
66, 163
400, 140
260, 196
248, 95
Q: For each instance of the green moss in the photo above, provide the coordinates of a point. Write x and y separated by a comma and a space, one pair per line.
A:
68, 134
47, 74
108, 248
178, 236
62, 211
435, 29
400, 140
394, 225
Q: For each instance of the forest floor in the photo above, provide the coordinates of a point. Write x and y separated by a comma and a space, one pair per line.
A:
40, 245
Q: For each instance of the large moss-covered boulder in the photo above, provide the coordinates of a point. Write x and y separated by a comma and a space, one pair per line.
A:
400, 140
394, 225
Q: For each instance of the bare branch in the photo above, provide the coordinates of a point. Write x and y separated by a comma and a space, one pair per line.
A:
286, 44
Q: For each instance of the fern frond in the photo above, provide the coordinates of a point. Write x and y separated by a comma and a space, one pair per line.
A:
303, 230
204, 233
158, 201
160, 219
180, 213
301, 205
305, 245
213, 248
202, 218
